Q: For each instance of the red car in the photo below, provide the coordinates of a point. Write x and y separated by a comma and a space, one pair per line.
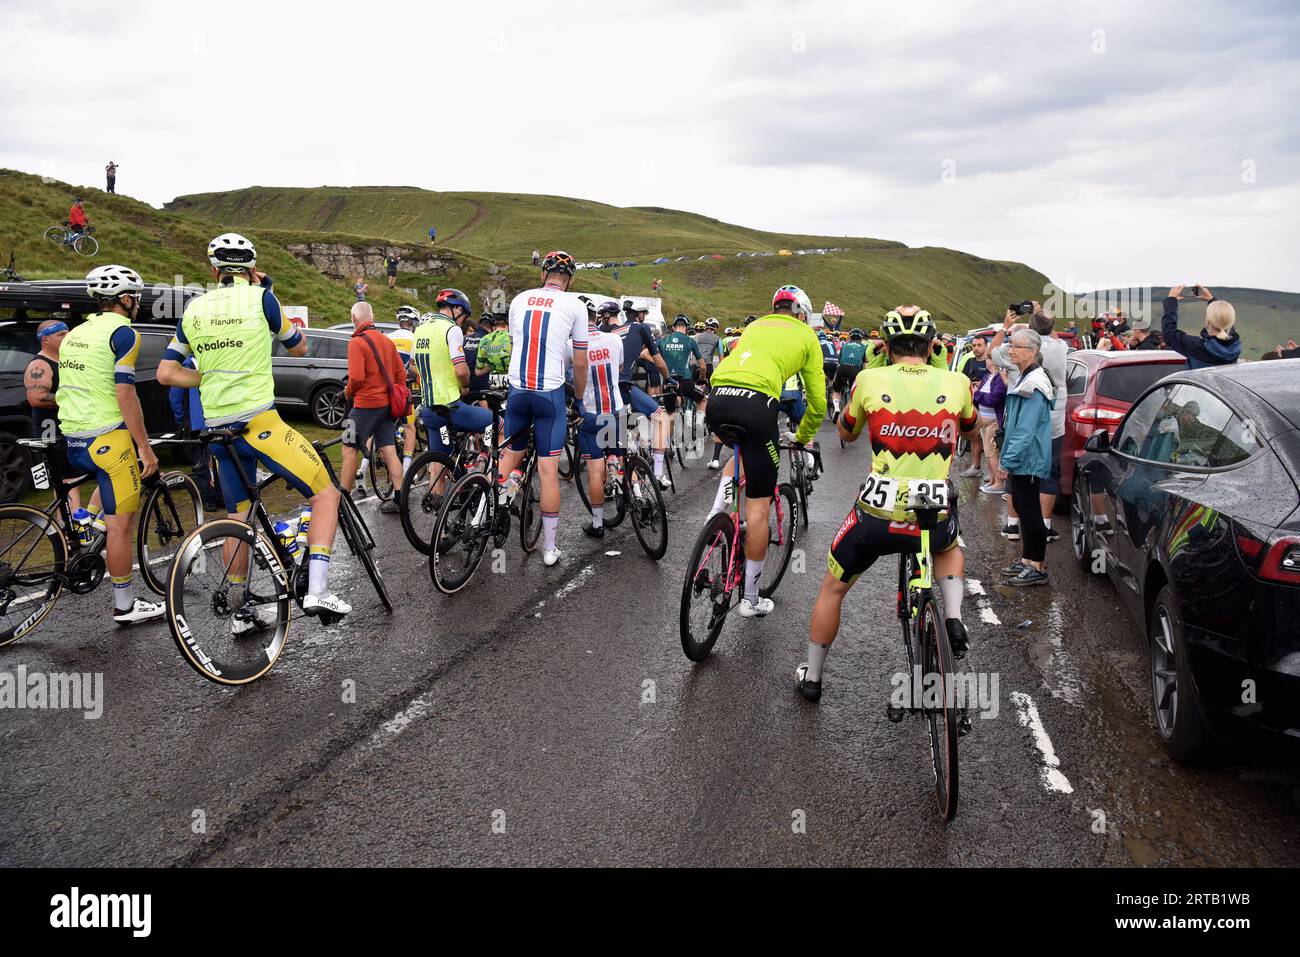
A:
1100, 387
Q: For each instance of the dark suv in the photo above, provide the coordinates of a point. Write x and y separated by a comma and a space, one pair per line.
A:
315, 381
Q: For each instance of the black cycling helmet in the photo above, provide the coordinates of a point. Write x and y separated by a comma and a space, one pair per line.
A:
855, 334
682, 321
608, 308
559, 261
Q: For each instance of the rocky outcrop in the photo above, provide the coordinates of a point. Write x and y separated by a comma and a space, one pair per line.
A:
347, 261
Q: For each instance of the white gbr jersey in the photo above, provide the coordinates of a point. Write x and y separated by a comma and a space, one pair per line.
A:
545, 326
604, 360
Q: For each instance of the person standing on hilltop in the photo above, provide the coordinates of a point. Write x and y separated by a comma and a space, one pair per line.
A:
390, 265
361, 288
537, 257
433, 234
110, 172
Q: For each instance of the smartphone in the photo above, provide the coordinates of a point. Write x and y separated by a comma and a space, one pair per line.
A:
1191, 292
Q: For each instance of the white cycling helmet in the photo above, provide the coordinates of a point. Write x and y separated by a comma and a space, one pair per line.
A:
429, 315
109, 282
408, 313
231, 250
800, 304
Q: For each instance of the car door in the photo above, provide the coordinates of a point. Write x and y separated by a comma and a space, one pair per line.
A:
293, 374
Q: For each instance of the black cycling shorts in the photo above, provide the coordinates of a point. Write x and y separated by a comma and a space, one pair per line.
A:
863, 538
829, 368
686, 389
844, 377
760, 453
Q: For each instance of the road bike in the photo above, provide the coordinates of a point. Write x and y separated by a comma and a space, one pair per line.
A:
630, 490
82, 243
381, 483
232, 582
715, 571
41, 556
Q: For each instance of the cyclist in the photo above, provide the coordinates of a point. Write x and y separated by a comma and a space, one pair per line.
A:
710, 349
230, 330
830, 355
545, 323
853, 356
494, 352
639, 343
878, 351
99, 412
601, 432
77, 221
913, 412
438, 354
403, 337
746, 386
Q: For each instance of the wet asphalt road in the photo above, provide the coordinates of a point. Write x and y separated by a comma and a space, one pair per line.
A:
548, 716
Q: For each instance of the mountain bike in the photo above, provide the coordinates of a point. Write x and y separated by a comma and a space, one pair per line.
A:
230, 626
473, 513
630, 489
715, 571
40, 557
925, 640
82, 243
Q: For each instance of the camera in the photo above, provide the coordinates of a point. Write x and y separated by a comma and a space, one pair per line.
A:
1192, 292
1025, 308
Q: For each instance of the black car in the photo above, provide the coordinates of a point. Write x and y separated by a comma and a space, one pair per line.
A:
1199, 507
23, 306
314, 382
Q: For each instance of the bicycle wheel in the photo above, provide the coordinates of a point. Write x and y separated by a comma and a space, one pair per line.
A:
705, 597
580, 478
85, 245
615, 500
56, 235
172, 509
381, 483
569, 457
646, 507
941, 719
420, 503
33, 558
780, 539
461, 534
229, 626
906, 607
799, 482
530, 509
362, 544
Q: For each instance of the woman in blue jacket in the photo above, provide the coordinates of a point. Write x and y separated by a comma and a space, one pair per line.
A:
1026, 455
1218, 343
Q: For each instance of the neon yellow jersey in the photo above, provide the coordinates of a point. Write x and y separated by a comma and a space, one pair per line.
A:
878, 358
914, 414
771, 350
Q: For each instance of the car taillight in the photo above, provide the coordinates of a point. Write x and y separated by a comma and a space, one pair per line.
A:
1282, 562
1096, 415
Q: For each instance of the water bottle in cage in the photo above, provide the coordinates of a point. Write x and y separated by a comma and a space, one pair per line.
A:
304, 524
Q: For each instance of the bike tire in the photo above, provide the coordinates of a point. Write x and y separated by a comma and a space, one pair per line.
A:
168, 517
568, 457
56, 235
199, 544
780, 537
362, 544
381, 483
646, 508
419, 512
459, 526
530, 509
580, 477
31, 526
941, 722
712, 545
85, 245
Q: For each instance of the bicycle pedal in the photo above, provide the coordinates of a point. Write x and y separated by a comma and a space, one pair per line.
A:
895, 715
963, 726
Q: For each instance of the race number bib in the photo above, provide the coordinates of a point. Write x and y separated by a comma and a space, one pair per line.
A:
499, 380
40, 475
445, 433
927, 493
879, 492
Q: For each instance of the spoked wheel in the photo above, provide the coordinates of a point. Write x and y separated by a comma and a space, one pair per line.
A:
461, 533
580, 476
85, 245
33, 562
56, 235
228, 602
380, 480
799, 482
940, 716
420, 502
172, 510
530, 509
780, 539
569, 458
646, 507
705, 598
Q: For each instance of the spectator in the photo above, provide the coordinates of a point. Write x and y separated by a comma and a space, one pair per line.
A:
990, 398
1073, 328
187, 411
77, 220
361, 288
390, 265
373, 366
616, 274
1026, 454
1289, 351
971, 364
1218, 343
110, 172
433, 234
537, 258
1143, 338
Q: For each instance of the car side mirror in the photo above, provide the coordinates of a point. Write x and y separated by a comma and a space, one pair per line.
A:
1099, 441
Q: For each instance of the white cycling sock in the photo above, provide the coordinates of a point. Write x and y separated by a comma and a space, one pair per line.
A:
816, 658
1013, 521
597, 516
753, 570
952, 589
720, 499
659, 462
550, 525
318, 570
123, 594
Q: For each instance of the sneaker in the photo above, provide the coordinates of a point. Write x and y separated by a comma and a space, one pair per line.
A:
811, 690
1011, 532
762, 608
328, 603
1030, 576
139, 612
1012, 570
1052, 534
390, 507
958, 638
1101, 526
253, 618
992, 489
591, 531
714, 465
549, 558
971, 472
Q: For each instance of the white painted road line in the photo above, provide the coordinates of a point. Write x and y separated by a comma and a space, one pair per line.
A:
975, 588
1051, 775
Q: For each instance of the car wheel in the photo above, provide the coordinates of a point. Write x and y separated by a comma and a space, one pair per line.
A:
15, 468
1179, 720
1081, 532
328, 406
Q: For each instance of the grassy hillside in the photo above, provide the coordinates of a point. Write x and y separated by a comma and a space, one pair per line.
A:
163, 246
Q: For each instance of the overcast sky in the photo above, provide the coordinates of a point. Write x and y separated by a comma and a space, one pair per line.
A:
1103, 143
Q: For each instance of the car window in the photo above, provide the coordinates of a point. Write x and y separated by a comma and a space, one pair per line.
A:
327, 347
1208, 433
1076, 378
1136, 433
16, 349
152, 345
1125, 381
